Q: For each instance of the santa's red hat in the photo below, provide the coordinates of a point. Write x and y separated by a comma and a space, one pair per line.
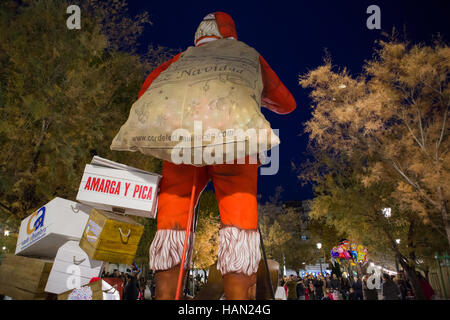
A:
217, 25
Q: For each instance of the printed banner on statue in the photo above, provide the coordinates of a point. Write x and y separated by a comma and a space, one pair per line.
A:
217, 85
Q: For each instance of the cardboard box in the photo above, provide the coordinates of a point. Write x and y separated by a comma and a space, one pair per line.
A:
45, 230
111, 186
111, 237
72, 267
23, 278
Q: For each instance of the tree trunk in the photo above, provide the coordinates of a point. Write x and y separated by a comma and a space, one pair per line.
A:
444, 213
410, 271
411, 275
37, 151
427, 271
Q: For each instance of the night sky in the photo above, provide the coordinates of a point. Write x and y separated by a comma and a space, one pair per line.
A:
291, 36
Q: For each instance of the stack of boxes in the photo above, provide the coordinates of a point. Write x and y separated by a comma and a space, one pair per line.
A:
64, 244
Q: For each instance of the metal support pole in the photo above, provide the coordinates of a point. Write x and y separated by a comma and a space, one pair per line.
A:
442, 276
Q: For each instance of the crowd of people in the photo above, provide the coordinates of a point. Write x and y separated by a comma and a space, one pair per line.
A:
332, 287
131, 285
329, 287
135, 287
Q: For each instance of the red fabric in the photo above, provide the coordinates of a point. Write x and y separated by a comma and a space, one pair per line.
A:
155, 73
427, 289
275, 96
226, 25
94, 279
235, 186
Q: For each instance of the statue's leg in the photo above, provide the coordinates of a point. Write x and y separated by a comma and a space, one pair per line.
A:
239, 286
166, 283
238, 261
173, 206
239, 253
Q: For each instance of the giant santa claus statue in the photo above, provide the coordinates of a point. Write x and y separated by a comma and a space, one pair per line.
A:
221, 84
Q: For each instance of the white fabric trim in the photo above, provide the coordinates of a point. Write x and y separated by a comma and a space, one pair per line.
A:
204, 40
238, 251
167, 248
207, 28
210, 16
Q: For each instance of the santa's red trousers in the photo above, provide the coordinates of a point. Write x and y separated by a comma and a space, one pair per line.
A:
235, 186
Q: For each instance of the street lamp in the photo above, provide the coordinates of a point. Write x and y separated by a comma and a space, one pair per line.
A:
398, 241
319, 246
6, 233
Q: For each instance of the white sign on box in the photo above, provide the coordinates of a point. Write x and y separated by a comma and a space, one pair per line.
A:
48, 228
71, 269
111, 186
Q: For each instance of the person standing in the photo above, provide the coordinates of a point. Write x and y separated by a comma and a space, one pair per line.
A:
327, 295
345, 288
280, 293
389, 288
352, 294
152, 289
402, 286
301, 290
324, 286
335, 285
318, 285
358, 288
311, 291
369, 294
132, 288
328, 282
291, 285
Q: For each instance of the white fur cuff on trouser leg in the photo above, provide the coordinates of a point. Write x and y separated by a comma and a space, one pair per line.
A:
238, 251
167, 248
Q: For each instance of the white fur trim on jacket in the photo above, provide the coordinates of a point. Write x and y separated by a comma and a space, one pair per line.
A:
238, 251
167, 248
